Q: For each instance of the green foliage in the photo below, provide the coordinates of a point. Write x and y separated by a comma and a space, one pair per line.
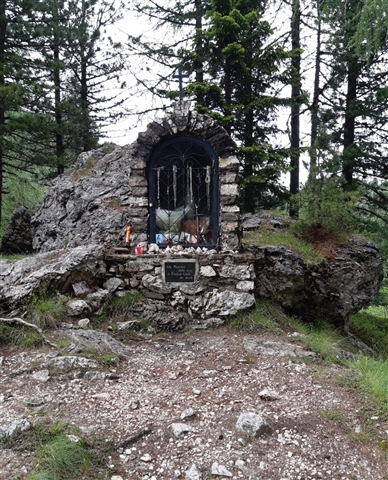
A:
239, 57
325, 341
266, 316
121, 308
57, 457
46, 311
334, 415
371, 31
13, 258
373, 379
326, 211
371, 326
19, 335
372, 210
22, 188
106, 359
266, 235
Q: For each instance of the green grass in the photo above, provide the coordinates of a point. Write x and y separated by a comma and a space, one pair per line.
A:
266, 316
18, 335
121, 308
56, 456
15, 257
47, 311
373, 379
106, 359
267, 236
324, 340
371, 326
334, 415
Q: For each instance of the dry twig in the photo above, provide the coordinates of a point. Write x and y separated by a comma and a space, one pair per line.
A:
31, 325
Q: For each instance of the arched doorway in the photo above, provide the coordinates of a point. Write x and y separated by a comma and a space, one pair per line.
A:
183, 193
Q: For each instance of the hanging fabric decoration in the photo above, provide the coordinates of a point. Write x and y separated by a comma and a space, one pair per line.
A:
158, 185
174, 183
191, 184
207, 181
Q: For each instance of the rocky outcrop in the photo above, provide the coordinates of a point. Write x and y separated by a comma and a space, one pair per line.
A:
90, 204
333, 289
17, 237
50, 272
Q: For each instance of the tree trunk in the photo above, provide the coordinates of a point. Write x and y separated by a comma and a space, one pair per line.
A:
3, 30
228, 96
295, 104
86, 130
315, 104
198, 63
349, 151
86, 140
249, 190
59, 146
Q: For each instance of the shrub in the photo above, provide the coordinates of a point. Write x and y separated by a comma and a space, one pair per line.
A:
120, 308
46, 311
326, 211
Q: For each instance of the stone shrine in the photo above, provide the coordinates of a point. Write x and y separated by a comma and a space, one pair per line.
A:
176, 187
176, 184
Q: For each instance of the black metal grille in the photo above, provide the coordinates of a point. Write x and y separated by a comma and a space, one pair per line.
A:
183, 194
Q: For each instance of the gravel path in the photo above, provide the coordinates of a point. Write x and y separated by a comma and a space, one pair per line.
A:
319, 428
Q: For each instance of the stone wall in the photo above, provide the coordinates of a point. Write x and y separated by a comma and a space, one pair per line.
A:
223, 285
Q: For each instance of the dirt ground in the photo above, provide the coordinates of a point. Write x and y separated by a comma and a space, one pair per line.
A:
321, 428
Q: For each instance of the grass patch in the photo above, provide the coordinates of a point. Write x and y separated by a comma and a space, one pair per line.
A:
266, 235
373, 378
58, 457
324, 340
18, 335
15, 257
47, 311
120, 308
334, 415
371, 326
106, 359
266, 316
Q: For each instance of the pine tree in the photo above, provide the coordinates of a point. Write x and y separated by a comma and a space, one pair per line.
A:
19, 89
243, 67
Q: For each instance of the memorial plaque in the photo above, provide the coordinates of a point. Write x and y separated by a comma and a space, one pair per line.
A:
180, 271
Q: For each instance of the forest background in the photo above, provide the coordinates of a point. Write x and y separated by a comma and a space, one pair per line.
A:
295, 84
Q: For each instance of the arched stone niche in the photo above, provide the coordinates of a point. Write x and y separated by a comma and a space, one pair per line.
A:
107, 189
176, 215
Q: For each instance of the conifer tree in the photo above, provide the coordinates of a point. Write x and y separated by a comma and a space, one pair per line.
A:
243, 67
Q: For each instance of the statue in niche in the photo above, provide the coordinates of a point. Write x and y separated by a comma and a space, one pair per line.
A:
183, 193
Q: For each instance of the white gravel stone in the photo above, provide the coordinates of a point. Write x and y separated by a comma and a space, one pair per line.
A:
252, 424
193, 473
146, 458
180, 429
188, 413
77, 307
102, 396
220, 470
84, 322
41, 375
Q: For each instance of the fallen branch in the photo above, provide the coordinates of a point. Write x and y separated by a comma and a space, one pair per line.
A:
31, 325
134, 438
